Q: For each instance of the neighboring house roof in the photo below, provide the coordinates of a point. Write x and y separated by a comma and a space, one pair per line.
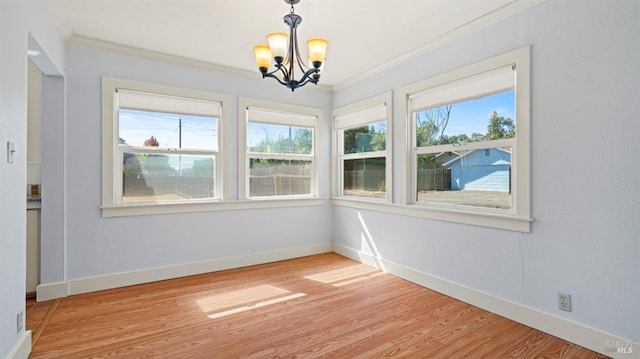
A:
467, 153
442, 157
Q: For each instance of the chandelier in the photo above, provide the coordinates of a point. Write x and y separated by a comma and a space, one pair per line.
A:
283, 49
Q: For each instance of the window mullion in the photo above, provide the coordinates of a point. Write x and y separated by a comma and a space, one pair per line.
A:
468, 146
360, 155
280, 156
168, 151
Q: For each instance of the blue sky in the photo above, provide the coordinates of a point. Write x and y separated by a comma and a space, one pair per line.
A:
473, 115
200, 132
197, 132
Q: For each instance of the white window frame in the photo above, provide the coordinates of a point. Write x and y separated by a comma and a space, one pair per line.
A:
310, 117
112, 205
518, 217
358, 114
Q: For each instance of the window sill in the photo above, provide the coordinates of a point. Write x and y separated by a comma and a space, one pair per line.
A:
183, 207
482, 218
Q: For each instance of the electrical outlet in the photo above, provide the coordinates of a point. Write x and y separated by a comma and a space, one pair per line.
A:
564, 302
19, 320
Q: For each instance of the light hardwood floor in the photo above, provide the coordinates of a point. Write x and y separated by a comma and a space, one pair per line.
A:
322, 306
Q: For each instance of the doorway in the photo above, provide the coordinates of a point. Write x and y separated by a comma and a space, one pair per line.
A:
45, 185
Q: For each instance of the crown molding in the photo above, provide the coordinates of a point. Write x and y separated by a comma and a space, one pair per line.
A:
461, 31
96, 44
468, 28
92, 43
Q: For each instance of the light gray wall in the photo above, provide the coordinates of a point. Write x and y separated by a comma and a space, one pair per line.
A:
584, 109
584, 241
98, 246
54, 190
18, 19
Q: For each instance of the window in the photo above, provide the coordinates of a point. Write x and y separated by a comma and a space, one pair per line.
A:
161, 145
469, 141
280, 150
363, 144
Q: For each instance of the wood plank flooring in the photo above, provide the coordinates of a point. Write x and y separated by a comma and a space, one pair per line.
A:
323, 306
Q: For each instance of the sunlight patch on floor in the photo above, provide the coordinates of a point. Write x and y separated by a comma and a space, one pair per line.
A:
345, 275
241, 300
359, 279
256, 305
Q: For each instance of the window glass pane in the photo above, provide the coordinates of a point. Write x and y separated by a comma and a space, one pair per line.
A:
266, 138
365, 177
275, 177
143, 128
479, 178
365, 138
482, 119
160, 177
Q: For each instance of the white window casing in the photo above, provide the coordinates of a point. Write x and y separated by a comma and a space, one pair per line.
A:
273, 113
510, 71
362, 113
140, 96
506, 72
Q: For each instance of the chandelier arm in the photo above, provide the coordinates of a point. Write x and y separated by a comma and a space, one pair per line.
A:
301, 65
270, 74
306, 82
286, 75
309, 80
283, 70
307, 77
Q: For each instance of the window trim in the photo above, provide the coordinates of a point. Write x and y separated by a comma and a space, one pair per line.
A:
111, 207
244, 104
518, 219
337, 180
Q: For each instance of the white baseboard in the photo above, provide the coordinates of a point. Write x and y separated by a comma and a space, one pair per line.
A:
22, 349
591, 338
117, 280
51, 291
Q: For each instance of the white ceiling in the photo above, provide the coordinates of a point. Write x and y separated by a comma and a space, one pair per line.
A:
363, 34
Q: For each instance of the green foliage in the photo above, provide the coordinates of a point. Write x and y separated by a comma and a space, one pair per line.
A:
500, 127
365, 139
300, 142
428, 160
431, 125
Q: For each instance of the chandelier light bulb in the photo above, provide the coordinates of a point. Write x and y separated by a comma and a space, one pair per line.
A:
263, 57
278, 42
317, 50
